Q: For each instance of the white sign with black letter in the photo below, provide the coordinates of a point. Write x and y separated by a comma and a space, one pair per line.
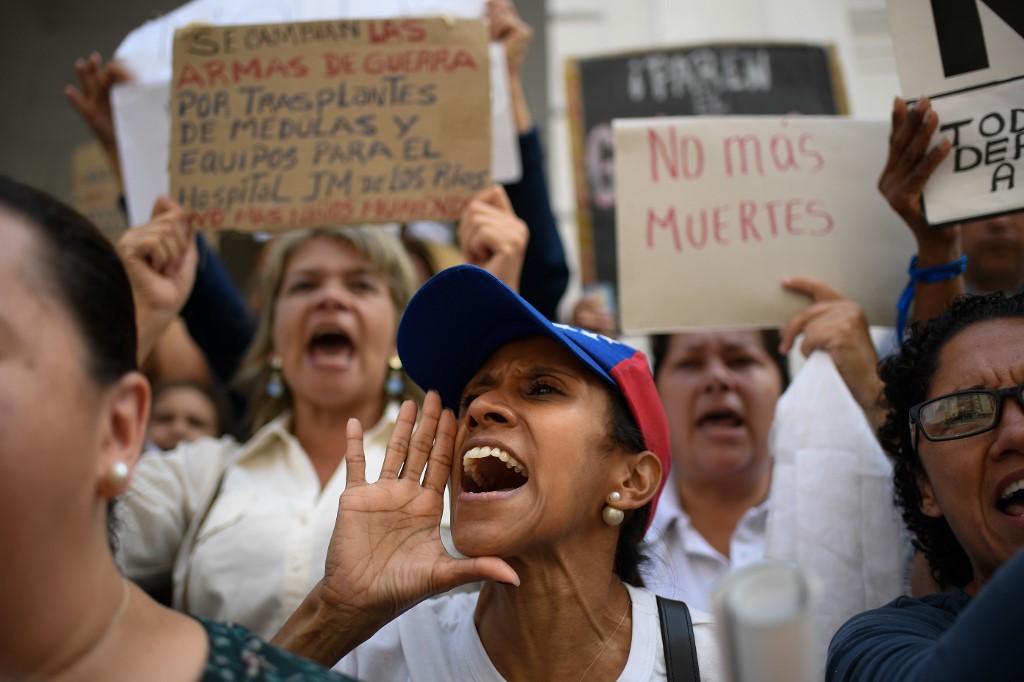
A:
955, 44
982, 176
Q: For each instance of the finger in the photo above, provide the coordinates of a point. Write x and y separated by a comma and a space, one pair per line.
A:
442, 454
496, 196
157, 254
423, 438
811, 286
931, 161
398, 444
355, 459
74, 97
164, 204
810, 345
922, 138
794, 326
118, 73
453, 572
917, 115
93, 71
900, 131
171, 238
84, 82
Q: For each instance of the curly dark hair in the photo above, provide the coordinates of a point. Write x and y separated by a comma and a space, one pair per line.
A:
907, 376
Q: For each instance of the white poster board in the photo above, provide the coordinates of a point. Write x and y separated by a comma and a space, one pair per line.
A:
968, 57
983, 176
954, 44
714, 211
142, 108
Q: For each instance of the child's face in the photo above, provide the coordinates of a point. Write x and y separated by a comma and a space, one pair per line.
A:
182, 413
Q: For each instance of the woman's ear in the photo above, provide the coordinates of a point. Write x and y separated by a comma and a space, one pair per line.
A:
929, 505
641, 483
122, 434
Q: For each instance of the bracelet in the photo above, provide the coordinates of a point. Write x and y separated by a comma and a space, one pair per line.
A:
929, 275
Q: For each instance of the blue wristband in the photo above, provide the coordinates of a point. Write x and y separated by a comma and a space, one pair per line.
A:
930, 275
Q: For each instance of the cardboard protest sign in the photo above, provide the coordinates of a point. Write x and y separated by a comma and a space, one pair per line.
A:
142, 107
712, 79
95, 191
983, 175
282, 126
713, 212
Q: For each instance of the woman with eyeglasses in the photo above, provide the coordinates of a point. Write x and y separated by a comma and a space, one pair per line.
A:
955, 432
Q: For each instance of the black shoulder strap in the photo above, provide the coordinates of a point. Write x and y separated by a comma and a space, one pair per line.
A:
677, 638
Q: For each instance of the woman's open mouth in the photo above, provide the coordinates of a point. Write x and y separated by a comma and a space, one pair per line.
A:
491, 469
723, 422
331, 349
1011, 499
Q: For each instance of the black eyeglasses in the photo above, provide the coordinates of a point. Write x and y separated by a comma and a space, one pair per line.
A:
963, 414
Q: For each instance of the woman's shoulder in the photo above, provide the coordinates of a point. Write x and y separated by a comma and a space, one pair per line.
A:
238, 654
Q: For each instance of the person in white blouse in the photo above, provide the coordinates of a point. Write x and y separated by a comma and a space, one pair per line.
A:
719, 389
559, 451
241, 529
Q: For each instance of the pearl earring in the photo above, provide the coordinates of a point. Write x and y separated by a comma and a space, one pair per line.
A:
611, 515
118, 474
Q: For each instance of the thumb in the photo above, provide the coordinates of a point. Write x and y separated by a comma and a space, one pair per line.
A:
812, 287
163, 204
495, 196
456, 572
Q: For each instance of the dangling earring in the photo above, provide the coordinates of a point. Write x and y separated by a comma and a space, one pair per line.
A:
117, 475
275, 387
611, 515
395, 383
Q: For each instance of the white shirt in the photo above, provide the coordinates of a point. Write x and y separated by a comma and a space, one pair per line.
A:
261, 547
683, 564
437, 640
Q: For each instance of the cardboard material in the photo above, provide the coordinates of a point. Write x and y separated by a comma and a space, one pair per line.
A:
713, 212
280, 126
711, 79
95, 190
983, 175
142, 108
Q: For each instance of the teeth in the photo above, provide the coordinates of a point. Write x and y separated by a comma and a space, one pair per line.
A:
1012, 488
470, 467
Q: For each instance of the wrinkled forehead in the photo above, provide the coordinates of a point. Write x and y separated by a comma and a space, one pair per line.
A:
988, 354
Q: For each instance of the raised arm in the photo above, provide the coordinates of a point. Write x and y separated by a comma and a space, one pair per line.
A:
91, 99
492, 237
838, 326
545, 274
911, 162
160, 258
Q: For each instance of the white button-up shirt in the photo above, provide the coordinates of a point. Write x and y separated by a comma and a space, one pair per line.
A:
254, 553
683, 564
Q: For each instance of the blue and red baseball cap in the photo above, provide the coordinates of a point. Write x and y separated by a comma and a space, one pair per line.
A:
464, 314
